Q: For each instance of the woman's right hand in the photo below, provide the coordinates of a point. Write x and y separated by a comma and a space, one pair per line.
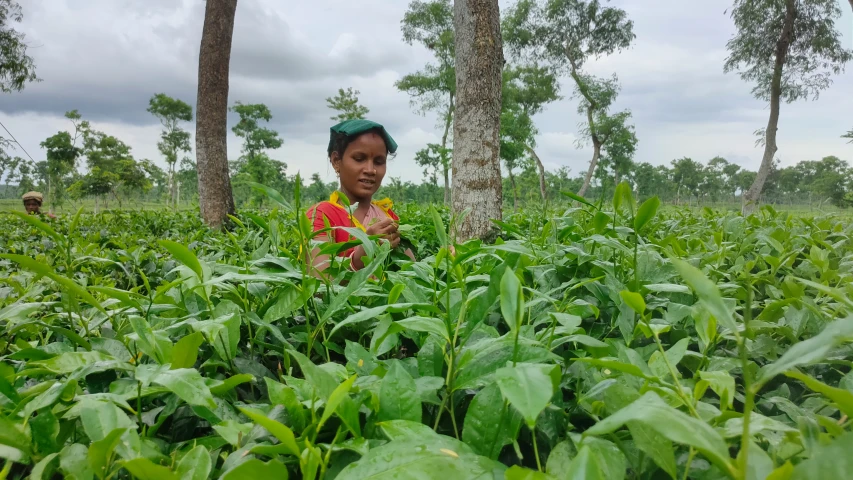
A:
387, 228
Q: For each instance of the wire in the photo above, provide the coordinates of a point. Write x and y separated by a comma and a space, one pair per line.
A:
16, 141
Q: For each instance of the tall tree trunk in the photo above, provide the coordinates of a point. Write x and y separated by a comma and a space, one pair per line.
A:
592, 105
750, 198
541, 169
514, 190
476, 129
596, 154
448, 120
214, 185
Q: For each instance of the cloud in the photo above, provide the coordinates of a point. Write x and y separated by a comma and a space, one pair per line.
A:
107, 58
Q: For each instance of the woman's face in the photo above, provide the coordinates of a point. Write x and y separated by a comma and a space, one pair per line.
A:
362, 166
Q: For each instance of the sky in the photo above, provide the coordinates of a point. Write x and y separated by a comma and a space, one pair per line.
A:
106, 58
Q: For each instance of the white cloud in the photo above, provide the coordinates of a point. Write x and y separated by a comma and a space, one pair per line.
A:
107, 58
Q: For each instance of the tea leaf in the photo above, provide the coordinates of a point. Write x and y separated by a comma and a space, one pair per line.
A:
528, 387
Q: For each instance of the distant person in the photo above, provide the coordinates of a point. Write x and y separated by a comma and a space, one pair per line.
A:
358, 151
32, 203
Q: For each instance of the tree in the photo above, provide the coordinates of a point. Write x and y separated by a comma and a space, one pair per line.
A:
62, 154
620, 143
255, 138
216, 201
565, 34
525, 91
687, 175
848, 135
16, 66
790, 49
346, 102
434, 159
476, 129
112, 168
430, 23
173, 139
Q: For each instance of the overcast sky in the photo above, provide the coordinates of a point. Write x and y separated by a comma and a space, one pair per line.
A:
106, 58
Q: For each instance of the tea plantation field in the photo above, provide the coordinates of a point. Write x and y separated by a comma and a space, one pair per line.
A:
588, 342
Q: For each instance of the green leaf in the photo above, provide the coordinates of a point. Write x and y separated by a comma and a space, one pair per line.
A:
623, 199
843, 399
520, 473
760, 464
195, 465
707, 292
829, 461
438, 224
678, 427
429, 457
356, 282
101, 418
145, 469
645, 213
46, 467
69, 362
335, 399
634, 300
45, 270
74, 463
398, 396
321, 381
128, 299
101, 451
372, 313
512, 300
425, 324
578, 198
288, 301
722, 384
529, 387
281, 394
256, 469
272, 194
231, 383
187, 384
185, 352
596, 463
232, 431
655, 445
490, 424
18, 312
809, 351
278, 430
185, 256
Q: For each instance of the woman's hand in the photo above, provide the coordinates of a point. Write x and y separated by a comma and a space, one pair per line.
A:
387, 228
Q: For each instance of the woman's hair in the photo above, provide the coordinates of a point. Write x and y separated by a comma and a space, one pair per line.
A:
340, 141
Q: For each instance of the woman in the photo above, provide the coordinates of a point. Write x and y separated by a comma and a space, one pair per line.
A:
358, 151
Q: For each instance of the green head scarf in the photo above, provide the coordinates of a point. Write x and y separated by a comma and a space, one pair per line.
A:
355, 127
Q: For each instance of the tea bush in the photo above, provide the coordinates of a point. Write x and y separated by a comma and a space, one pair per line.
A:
587, 342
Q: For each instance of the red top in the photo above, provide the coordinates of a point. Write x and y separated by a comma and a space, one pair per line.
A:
337, 216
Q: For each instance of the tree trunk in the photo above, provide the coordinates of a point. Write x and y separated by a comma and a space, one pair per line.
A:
596, 153
214, 185
476, 129
750, 198
514, 190
541, 169
448, 120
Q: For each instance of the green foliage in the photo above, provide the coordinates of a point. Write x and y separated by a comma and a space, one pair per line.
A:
815, 50
16, 66
595, 341
347, 106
